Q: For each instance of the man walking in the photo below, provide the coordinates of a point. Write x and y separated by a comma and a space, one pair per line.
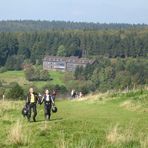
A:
31, 102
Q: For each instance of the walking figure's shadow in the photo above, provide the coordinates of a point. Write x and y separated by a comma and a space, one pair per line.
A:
55, 119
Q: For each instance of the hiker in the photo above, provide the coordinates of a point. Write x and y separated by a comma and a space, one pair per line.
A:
31, 102
80, 94
48, 102
73, 93
54, 95
3, 97
76, 94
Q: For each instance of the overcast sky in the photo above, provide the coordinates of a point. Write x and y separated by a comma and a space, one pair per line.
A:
103, 11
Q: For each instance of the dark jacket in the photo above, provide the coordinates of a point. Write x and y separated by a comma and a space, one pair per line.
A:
29, 97
46, 102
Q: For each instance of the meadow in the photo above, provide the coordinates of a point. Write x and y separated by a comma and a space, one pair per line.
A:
103, 120
18, 76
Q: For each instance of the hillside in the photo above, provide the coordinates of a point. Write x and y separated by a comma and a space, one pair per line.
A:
19, 76
101, 120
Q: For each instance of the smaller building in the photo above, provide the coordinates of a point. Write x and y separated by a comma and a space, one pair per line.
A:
64, 63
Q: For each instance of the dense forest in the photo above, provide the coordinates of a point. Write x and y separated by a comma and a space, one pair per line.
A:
35, 45
30, 25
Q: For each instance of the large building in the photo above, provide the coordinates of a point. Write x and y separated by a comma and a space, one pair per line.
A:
64, 63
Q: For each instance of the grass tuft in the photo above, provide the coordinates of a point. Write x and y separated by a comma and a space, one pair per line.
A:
17, 134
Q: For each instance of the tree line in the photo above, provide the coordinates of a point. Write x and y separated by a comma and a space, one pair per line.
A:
19, 47
107, 74
30, 25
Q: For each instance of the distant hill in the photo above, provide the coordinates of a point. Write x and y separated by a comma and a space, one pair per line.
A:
30, 25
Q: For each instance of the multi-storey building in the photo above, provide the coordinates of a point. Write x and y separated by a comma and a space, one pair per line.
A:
64, 63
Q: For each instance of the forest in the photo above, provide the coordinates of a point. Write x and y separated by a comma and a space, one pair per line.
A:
34, 45
111, 74
31, 25
120, 50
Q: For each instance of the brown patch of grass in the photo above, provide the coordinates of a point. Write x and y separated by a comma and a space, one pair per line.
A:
117, 135
8, 105
130, 105
101, 97
17, 135
144, 141
61, 141
113, 136
82, 142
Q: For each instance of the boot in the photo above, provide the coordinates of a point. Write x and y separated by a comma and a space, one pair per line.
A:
34, 119
28, 119
47, 117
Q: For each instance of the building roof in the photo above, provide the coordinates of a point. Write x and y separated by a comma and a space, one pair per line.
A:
71, 59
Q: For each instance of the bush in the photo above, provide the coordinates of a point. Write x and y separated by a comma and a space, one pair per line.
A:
44, 75
84, 90
35, 74
2, 91
3, 69
108, 74
15, 91
59, 88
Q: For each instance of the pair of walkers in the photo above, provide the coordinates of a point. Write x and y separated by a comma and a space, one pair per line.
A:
31, 104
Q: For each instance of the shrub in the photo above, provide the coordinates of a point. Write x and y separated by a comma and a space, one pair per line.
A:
2, 91
15, 92
3, 69
59, 88
35, 74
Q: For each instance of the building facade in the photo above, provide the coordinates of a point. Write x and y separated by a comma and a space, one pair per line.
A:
64, 63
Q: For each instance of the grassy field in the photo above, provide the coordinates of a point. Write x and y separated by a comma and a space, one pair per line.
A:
110, 120
18, 76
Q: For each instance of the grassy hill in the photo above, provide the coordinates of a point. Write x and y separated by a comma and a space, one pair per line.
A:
110, 120
18, 76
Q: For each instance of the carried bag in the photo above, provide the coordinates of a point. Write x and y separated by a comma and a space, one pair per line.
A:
25, 110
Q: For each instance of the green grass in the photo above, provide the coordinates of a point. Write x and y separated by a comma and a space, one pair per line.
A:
18, 76
99, 121
12, 76
58, 77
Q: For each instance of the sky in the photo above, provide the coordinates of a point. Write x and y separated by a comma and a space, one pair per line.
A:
102, 11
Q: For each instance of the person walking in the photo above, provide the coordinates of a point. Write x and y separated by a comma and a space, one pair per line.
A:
54, 95
48, 102
31, 101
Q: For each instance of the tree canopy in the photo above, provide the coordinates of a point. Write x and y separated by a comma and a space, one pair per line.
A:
86, 43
